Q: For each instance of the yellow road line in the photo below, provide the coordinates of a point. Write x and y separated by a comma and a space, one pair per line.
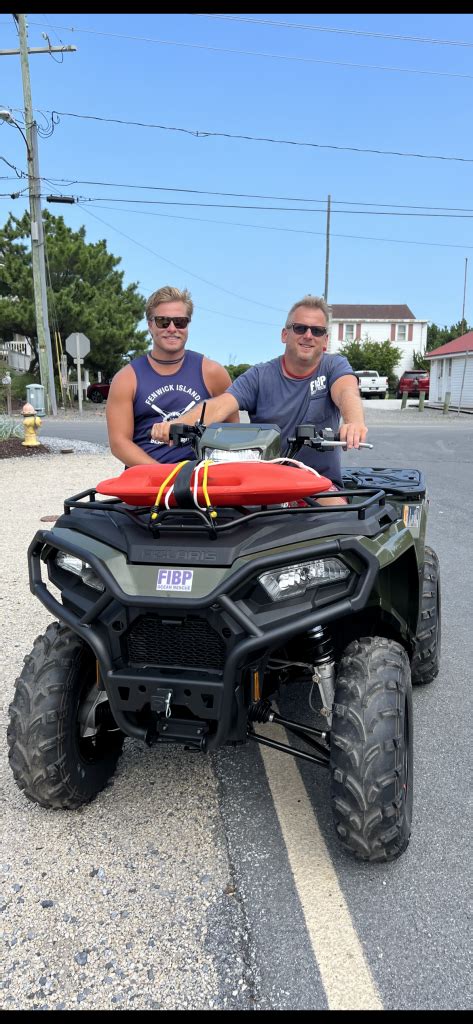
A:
345, 973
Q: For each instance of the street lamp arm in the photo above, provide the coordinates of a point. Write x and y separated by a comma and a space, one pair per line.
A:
6, 115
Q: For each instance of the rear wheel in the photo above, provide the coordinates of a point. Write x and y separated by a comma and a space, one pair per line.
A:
426, 658
96, 396
63, 742
372, 749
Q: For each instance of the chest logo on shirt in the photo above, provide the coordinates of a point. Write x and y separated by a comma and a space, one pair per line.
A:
318, 384
174, 414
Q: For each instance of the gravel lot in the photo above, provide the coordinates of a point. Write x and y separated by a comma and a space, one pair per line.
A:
107, 907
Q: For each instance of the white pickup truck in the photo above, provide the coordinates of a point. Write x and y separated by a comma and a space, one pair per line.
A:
371, 384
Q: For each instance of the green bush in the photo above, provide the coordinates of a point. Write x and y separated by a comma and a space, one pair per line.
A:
382, 356
19, 383
10, 428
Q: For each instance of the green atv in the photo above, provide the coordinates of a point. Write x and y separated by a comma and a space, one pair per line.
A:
347, 596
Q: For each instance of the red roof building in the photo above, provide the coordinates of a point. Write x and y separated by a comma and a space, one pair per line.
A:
451, 374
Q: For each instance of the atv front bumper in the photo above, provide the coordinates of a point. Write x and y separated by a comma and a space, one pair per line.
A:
214, 700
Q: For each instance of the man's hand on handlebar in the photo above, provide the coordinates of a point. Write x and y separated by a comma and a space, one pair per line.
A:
160, 431
353, 433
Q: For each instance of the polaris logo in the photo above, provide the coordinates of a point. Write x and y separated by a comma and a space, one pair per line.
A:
174, 579
184, 555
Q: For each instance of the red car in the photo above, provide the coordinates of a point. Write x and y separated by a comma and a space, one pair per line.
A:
412, 382
98, 392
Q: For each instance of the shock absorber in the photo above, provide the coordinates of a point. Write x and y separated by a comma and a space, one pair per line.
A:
324, 667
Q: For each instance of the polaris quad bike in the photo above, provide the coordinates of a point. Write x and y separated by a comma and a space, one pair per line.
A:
185, 603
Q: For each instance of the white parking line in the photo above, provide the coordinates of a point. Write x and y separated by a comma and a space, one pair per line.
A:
345, 974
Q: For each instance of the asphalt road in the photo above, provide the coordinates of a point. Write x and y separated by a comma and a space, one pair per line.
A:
317, 930
411, 917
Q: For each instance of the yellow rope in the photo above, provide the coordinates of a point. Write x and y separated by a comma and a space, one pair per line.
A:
207, 463
173, 473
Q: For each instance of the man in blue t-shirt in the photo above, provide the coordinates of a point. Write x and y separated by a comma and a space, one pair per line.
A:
305, 385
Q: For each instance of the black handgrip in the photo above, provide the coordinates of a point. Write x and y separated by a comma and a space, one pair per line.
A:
181, 431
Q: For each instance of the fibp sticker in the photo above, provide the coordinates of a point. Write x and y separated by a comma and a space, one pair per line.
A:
174, 579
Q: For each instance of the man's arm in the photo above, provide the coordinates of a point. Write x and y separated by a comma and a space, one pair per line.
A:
217, 379
120, 420
346, 395
216, 409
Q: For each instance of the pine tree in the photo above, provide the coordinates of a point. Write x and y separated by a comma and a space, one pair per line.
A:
85, 293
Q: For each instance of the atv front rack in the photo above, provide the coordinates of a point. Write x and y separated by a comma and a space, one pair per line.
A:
197, 519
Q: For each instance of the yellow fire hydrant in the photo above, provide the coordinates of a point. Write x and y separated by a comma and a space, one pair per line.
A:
31, 423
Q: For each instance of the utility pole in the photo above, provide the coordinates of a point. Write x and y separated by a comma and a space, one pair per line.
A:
46, 368
464, 296
327, 250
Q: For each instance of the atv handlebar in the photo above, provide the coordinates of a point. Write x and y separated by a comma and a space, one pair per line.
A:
306, 434
321, 440
183, 433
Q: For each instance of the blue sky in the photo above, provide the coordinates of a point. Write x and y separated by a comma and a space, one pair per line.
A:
245, 267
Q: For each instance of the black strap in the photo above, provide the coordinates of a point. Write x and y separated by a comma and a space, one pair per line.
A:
182, 489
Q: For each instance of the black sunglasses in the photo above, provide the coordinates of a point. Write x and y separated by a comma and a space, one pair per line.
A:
317, 332
163, 321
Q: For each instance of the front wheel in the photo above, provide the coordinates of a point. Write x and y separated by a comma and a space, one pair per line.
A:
372, 750
63, 742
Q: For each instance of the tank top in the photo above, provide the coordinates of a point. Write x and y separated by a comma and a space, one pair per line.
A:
161, 398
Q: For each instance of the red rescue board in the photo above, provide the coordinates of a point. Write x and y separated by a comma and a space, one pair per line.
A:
228, 483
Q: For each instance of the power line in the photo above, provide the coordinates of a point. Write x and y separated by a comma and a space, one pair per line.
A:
338, 31
198, 133
296, 231
280, 209
183, 269
19, 174
247, 195
272, 56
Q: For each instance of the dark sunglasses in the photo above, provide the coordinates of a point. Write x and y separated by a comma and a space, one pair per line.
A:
163, 321
317, 332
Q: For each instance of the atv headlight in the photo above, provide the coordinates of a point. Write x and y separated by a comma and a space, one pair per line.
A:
239, 455
293, 580
79, 568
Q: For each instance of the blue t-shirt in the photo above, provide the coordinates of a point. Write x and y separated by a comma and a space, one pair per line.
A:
270, 397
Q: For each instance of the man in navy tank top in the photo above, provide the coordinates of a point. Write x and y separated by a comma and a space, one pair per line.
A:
305, 385
163, 385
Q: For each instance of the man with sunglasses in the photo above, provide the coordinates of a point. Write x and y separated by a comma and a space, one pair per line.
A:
161, 386
305, 385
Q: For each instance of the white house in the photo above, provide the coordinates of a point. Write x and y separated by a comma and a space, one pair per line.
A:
379, 323
17, 353
451, 370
